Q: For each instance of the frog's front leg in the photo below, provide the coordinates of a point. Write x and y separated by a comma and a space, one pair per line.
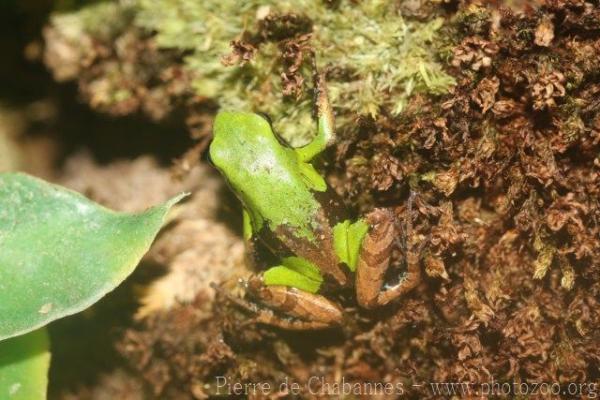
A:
374, 261
325, 122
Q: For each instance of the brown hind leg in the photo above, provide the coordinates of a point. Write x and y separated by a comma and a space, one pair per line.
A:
374, 260
287, 307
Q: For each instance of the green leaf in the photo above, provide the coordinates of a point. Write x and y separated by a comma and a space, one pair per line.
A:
60, 252
24, 363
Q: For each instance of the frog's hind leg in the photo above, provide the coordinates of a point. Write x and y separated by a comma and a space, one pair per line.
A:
288, 307
374, 261
374, 257
301, 309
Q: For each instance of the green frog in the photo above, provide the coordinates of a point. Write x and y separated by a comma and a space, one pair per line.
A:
288, 207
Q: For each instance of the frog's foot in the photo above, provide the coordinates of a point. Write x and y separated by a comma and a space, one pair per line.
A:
287, 307
374, 261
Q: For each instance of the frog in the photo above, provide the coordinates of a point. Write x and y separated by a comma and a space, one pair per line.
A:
290, 209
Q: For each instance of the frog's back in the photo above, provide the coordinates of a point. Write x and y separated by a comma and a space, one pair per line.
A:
268, 179
263, 173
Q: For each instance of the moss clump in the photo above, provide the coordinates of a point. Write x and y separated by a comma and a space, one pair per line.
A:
379, 59
376, 59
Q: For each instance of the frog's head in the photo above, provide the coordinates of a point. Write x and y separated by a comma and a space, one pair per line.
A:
239, 141
247, 153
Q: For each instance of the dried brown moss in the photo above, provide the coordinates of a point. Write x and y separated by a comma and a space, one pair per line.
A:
507, 173
119, 68
514, 149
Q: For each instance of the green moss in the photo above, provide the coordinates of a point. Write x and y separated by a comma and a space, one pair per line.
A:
380, 59
103, 21
384, 58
